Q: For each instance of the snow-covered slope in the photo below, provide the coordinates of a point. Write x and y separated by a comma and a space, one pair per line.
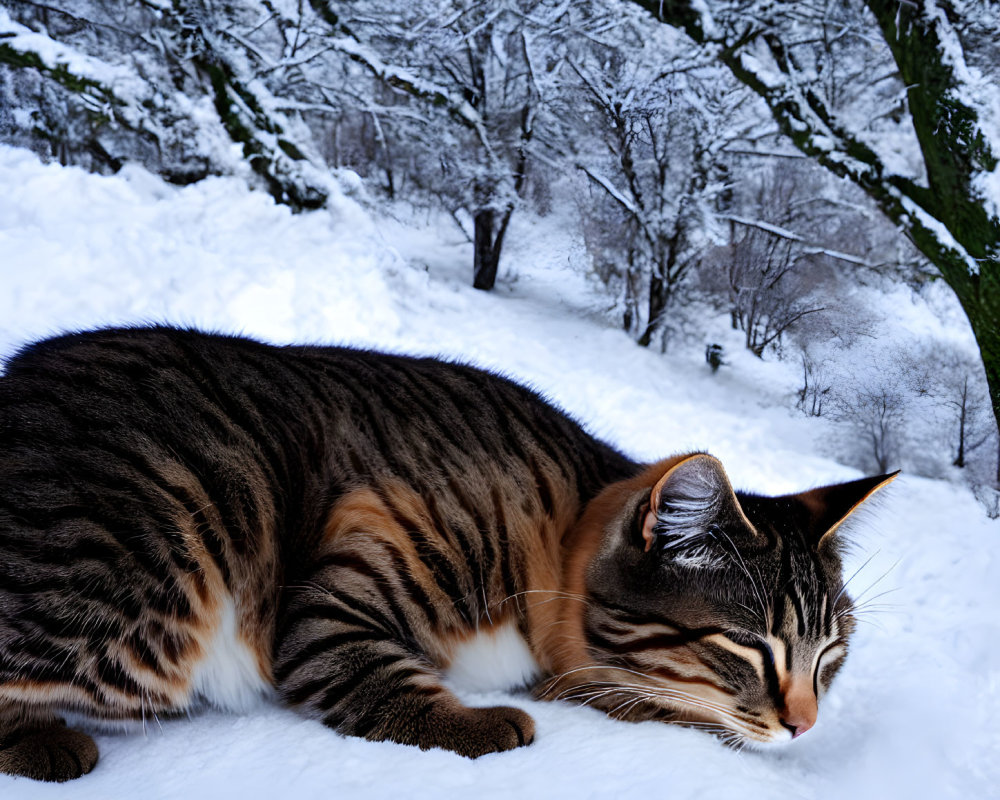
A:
914, 711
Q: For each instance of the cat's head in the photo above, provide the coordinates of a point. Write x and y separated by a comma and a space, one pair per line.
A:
723, 610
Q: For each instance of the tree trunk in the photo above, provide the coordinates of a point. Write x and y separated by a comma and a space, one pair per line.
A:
485, 262
487, 246
657, 305
962, 414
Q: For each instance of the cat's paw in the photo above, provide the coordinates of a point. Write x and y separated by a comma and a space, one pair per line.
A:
474, 732
50, 754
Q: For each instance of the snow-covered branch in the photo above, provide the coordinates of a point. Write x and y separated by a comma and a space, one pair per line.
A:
784, 233
610, 188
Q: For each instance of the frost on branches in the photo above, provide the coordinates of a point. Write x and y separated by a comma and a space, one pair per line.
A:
910, 116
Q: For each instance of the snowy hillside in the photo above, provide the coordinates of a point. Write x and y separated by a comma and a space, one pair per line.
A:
913, 713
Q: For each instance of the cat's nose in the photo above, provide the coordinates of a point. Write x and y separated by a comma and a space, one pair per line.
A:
797, 730
799, 713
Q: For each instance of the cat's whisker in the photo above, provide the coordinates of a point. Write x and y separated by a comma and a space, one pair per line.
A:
876, 582
878, 608
585, 689
594, 696
556, 679
577, 687
621, 710
725, 734
854, 574
486, 606
661, 691
874, 623
697, 702
875, 597
666, 693
152, 709
632, 698
869, 608
552, 594
754, 613
710, 727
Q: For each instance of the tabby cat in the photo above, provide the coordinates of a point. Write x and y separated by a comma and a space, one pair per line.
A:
190, 518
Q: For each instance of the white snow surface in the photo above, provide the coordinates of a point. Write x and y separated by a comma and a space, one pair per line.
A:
914, 712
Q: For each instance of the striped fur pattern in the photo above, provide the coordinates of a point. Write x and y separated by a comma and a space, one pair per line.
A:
189, 518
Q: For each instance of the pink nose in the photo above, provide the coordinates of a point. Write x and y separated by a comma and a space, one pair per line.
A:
797, 730
799, 714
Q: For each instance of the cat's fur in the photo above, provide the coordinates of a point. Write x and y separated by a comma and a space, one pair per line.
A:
187, 517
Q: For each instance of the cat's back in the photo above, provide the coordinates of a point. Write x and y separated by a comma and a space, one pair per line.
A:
153, 377
267, 438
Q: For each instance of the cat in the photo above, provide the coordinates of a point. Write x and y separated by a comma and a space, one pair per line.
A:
192, 518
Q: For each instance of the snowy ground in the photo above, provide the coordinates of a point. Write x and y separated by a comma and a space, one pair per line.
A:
914, 713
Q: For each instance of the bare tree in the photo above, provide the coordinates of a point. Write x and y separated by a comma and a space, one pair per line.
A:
826, 342
875, 409
480, 76
954, 381
661, 176
766, 290
775, 270
816, 382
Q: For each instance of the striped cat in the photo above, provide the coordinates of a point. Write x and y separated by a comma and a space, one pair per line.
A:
189, 518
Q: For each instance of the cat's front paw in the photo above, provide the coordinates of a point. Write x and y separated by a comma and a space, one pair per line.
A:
49, 754
474, 732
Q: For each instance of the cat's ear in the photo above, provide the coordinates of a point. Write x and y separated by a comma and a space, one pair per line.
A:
686, 502
829, 506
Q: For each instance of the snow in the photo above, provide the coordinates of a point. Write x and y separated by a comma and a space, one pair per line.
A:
55, 53
987, 184
937, 228
708, 25
912, 715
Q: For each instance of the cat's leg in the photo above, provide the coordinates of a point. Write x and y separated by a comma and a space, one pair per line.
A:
37, 744
356, 666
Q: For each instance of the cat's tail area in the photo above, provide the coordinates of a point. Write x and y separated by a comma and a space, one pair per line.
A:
40, 746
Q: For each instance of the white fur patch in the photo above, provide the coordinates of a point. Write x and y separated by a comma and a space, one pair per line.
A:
495, 658
228, 676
